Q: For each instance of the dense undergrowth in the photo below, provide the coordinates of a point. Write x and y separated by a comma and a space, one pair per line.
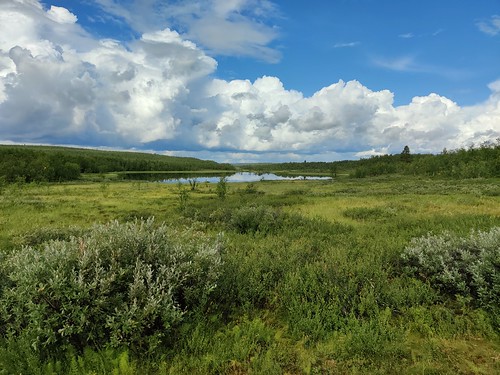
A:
387, 276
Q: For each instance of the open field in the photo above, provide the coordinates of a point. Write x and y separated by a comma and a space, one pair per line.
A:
312, 280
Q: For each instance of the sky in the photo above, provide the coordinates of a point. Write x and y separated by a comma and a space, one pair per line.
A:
251, 80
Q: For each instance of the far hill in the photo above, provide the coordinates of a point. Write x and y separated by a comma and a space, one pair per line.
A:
51, 163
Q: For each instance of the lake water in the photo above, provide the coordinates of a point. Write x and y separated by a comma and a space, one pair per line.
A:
242, 177
235, 177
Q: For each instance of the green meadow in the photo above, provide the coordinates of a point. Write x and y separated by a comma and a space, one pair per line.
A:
310, 277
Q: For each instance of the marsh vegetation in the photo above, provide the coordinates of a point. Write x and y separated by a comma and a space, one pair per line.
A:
385, 274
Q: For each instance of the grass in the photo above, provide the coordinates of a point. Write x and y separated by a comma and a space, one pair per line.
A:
318, 290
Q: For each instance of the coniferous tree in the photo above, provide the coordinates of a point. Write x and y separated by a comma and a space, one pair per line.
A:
405, 154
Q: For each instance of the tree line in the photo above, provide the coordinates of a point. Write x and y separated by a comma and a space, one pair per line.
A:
473, 162
44, 163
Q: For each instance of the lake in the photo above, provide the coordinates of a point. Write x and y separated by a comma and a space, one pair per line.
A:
214, 178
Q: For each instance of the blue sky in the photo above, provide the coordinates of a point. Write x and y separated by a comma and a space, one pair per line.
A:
251, 80
411, 48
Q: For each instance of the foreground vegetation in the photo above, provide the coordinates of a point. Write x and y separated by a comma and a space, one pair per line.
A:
382, 275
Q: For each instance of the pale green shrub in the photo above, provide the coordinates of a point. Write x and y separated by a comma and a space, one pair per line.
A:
467, 266
119, 284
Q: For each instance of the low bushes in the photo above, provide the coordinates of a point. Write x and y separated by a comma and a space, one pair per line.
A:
119, 284
255, 219
469, 267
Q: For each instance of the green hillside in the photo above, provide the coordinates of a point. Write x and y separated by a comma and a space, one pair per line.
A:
49, 163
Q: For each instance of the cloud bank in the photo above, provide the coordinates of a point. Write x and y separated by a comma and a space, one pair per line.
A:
60, 85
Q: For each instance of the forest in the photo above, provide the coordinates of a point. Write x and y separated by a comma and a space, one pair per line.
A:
473, 162
44, 163
390, 267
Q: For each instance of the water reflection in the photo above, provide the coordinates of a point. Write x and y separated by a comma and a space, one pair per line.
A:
214, 178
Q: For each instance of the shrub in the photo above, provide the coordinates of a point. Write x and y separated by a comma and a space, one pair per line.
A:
252, 219
312, 302
360, 172
467, 266
222, 188
119, 284
251, 188
183, 195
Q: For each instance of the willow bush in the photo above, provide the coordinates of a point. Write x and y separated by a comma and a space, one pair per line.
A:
464, 266
117, 285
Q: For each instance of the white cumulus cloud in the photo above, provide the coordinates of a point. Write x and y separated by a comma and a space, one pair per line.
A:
61, 15
59, 85
224, 27
99, 92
